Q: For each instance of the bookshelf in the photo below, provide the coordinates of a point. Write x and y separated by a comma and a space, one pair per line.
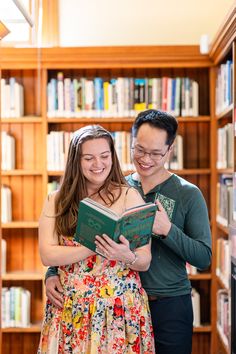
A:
30, 177
222, 54
23, 268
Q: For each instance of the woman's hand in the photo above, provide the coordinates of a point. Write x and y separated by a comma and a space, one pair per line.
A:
113, 250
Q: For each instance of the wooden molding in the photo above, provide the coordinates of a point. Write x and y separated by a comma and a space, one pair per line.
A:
105, 57
224, 37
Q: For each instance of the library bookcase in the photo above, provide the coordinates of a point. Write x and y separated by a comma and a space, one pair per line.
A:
28, 182
222, 54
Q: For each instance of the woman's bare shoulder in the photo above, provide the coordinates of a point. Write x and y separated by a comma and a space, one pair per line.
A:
133, 197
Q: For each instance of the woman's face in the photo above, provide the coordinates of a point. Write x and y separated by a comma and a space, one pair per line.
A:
96, 162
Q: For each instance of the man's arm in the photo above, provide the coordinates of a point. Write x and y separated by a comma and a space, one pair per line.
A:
193, 243
51, 271
54, 289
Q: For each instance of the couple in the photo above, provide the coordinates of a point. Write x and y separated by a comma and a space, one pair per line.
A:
96, 304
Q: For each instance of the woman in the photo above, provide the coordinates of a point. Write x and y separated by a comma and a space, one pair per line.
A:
105, 308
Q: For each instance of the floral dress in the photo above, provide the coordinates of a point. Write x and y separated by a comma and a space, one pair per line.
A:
105, 310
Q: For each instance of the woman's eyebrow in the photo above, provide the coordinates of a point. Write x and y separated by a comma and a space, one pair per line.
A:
104, 152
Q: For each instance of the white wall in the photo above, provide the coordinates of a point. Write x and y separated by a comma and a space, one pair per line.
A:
139, 22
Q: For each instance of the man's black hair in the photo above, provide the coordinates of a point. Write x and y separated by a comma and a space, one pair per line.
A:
157, 119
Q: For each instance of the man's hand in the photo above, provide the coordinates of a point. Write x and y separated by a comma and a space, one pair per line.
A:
162, 223
54, 290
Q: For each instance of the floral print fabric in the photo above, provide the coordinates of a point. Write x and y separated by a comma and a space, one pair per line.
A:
105, 311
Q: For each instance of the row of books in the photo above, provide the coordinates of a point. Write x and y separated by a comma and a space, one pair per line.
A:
224, 87
6, 204
12, 98
58, 145
224, 199
225, 146
120, 97
15, 307
223, 260
8, 151
223, 315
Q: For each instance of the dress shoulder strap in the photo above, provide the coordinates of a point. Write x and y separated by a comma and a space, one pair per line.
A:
125, 198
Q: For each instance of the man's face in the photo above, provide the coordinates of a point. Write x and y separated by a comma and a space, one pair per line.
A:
149, 150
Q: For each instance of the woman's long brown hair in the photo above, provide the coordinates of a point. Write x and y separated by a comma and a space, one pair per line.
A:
73, 186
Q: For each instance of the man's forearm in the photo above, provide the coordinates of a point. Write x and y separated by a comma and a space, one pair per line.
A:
51, 272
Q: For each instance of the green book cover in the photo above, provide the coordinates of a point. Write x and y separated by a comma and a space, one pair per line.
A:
95, 219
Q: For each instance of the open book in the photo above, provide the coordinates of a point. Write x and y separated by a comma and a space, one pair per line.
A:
95, 219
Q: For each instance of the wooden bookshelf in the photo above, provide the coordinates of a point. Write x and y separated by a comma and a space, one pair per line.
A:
222, 50
29, 180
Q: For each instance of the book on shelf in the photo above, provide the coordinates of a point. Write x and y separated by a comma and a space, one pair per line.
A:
12, 98
190, 269
16, 303
6, 203
196, 308
223, 314
176, 157
95, 219
8, 151
3, 256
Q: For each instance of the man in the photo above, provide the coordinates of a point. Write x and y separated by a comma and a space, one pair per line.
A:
181, 233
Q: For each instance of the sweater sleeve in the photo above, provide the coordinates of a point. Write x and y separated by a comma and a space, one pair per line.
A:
51, 271
193, 243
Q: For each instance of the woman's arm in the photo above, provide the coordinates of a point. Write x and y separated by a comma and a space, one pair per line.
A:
52, 254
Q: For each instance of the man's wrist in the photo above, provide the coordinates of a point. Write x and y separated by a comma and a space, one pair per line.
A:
51, 271
158, 237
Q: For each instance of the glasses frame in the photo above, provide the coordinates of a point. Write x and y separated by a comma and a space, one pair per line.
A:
159, 156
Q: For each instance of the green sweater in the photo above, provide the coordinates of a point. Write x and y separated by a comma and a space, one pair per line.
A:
189, 239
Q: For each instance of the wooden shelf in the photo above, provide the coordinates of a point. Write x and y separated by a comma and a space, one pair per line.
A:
202, 329
227, 113
200, 276
20, 225
34, 328
222, 283
21, 173
223, 228
21, 275
198, 119
193, 171
22, 120
92, 120
224, 170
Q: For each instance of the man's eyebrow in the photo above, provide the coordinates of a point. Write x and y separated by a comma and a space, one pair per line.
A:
148, 149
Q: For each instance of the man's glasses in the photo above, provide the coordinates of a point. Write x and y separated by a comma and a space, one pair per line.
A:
155, 156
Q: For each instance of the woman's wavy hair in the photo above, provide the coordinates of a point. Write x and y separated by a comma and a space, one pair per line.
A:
73, 185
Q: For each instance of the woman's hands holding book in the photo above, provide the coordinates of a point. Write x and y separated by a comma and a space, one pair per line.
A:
115, 251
